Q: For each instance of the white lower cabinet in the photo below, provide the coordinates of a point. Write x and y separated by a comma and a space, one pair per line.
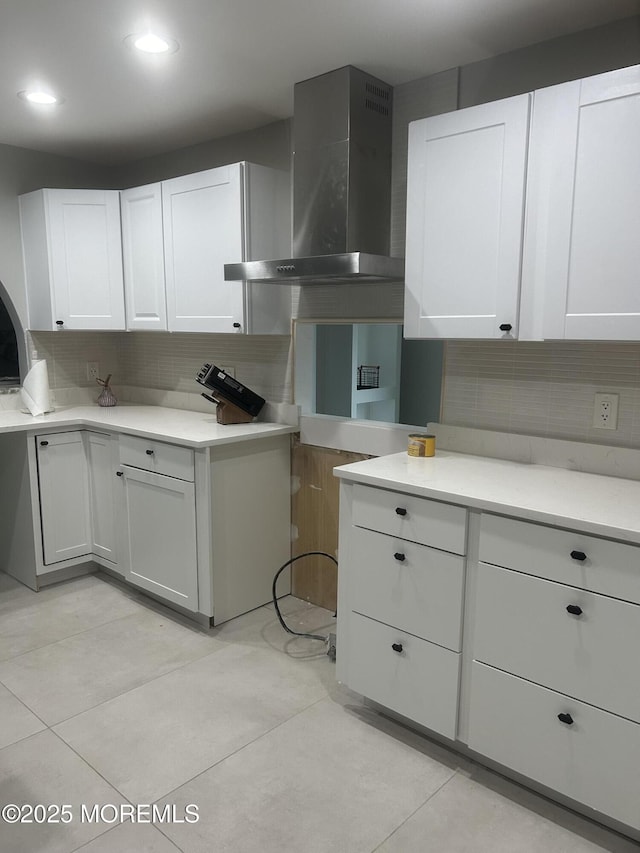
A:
400, 603
205, 529
535, 673
160, 519
63, 478
569, 746
554, 627
161, 536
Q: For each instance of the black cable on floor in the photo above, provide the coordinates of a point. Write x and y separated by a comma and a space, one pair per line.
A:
275, 600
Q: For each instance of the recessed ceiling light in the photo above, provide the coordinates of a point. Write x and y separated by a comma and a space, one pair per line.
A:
152, 43
37, 96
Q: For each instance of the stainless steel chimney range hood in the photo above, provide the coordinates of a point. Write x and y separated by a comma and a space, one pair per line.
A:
341, 186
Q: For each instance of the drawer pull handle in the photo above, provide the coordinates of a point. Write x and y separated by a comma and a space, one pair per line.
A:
567, 719
574, 610
400, 510
578, 555
44, 444
399, 557
149, 452
397, 647
119, 474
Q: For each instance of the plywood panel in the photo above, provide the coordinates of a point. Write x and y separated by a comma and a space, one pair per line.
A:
314, 516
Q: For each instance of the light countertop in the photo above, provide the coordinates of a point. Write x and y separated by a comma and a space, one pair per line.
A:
175, 426
591, 503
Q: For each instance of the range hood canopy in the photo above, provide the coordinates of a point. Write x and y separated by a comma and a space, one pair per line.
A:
341, 185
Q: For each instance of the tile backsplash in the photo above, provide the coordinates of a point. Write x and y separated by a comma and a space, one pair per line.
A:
67, 354
164, 361
544, 389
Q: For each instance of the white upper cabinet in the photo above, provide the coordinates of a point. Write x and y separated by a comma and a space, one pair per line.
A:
583, 242
574, 275
465, 209
143, 259
73, 259
219, 216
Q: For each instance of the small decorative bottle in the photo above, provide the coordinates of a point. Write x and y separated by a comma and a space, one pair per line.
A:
107, 397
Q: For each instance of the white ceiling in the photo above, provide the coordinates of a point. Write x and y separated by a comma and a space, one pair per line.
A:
238, 60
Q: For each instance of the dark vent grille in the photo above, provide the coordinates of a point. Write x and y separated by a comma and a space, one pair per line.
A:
377, 98
383, 109
378, 91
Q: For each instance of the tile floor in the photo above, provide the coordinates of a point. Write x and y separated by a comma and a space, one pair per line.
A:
108, 699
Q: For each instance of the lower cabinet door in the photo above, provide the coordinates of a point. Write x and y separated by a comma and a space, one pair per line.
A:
161, 536
64, 496
410, 676
102, 467
580, 751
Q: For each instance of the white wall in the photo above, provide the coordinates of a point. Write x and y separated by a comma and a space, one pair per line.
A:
268, 146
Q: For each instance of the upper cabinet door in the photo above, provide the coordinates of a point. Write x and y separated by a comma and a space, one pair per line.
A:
73, 259
465, 208
586, 139
143, 258
203, 230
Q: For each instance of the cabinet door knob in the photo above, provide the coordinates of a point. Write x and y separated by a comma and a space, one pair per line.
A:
399, 557
400, 510
44, 443
397, 647
574, 610
59, 322
149, 452
118, 473
505, 327
236, 325
578, 555
567, 719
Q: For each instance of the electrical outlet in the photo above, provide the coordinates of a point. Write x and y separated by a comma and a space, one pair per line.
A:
605, 411
93, 370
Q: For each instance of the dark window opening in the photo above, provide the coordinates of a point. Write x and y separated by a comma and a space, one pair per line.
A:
9, 369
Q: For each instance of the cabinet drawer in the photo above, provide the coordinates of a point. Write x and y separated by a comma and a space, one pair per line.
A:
416, 588
523, 626
169, 459
421, 520
420, 681
594, 760
608, 567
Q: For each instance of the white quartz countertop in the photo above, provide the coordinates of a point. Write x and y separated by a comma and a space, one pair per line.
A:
591, 503
176, 426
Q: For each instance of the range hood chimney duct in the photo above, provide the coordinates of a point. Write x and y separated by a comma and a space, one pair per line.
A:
341, 185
